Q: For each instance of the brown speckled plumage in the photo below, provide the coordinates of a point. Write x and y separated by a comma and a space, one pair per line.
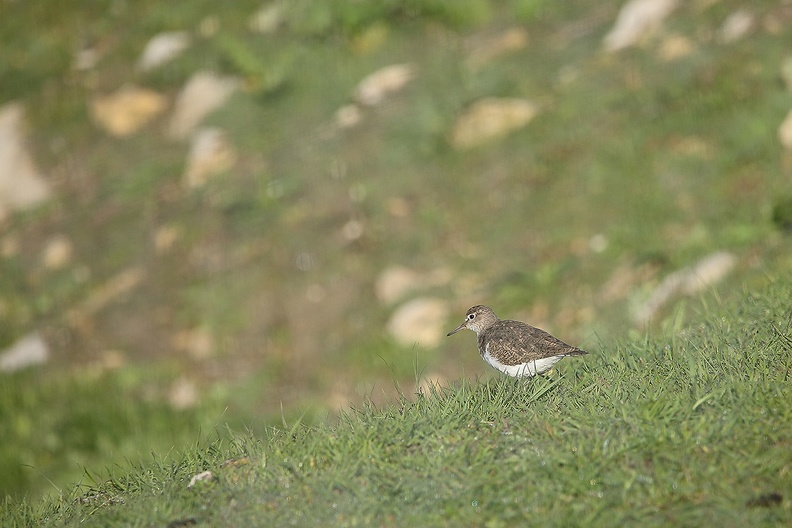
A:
513, 347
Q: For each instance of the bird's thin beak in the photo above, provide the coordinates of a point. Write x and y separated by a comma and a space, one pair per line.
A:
455, 330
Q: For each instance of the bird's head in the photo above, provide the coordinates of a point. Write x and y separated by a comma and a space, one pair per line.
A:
478, 319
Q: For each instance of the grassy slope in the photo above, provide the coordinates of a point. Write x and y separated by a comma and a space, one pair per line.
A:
669, 161
689, 427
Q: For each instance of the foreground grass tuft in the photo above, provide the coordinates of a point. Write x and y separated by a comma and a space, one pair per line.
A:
691, 427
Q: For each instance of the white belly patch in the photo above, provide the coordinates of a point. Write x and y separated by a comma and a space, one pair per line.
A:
532, 368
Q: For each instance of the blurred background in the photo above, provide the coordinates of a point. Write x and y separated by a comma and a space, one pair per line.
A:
216, 217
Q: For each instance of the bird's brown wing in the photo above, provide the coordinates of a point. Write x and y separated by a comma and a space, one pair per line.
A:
517, 343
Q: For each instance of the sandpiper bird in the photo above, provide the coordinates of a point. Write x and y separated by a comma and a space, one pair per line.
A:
512, 347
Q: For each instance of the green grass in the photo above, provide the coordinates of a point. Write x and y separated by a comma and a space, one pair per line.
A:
46, 444
666, 161
689, 427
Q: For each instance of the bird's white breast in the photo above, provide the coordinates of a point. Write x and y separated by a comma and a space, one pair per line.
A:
531, 368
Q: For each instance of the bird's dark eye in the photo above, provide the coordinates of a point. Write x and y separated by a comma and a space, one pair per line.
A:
471, 317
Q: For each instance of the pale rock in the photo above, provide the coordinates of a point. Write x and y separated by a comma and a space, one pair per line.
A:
708, 271
398, 207
373, 89
419, 321
431, 383
348, 116
21, 184
785, 132
163, 48
695, 146
316, 293
209, 26
624, 279
199, 477
127, 110
197, 342
644, 312
267, 19
598, 243
204, 92
112, 289
210, 154
165, 237
689, 281
488, 49
736, 26
489, 119
352, 230
636, 19
86, 59
57, 252
183, 394
26, 352
112, 360
369, 39
394, 283
675, 47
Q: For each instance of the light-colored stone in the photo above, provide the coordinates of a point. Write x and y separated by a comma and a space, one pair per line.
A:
419, 321
112, 359
316, 293
203, 476
163, 48
706, 272
675, 47
785, 131
488, 49
369, 39
86, 58
624, 279
353, 230
489, 119
183, 394
636, 19
267, 19
197, 342
114, 288
21, 184
165, 237
395, 283
598, 243
736, 26
432, 383
398, 207
374, 88
209, 26
204, 92
210, 154
695, 146
127, 110
57, 252
348, 116
26, 352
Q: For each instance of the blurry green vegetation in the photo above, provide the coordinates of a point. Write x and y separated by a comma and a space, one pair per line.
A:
57, 428
666, 160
